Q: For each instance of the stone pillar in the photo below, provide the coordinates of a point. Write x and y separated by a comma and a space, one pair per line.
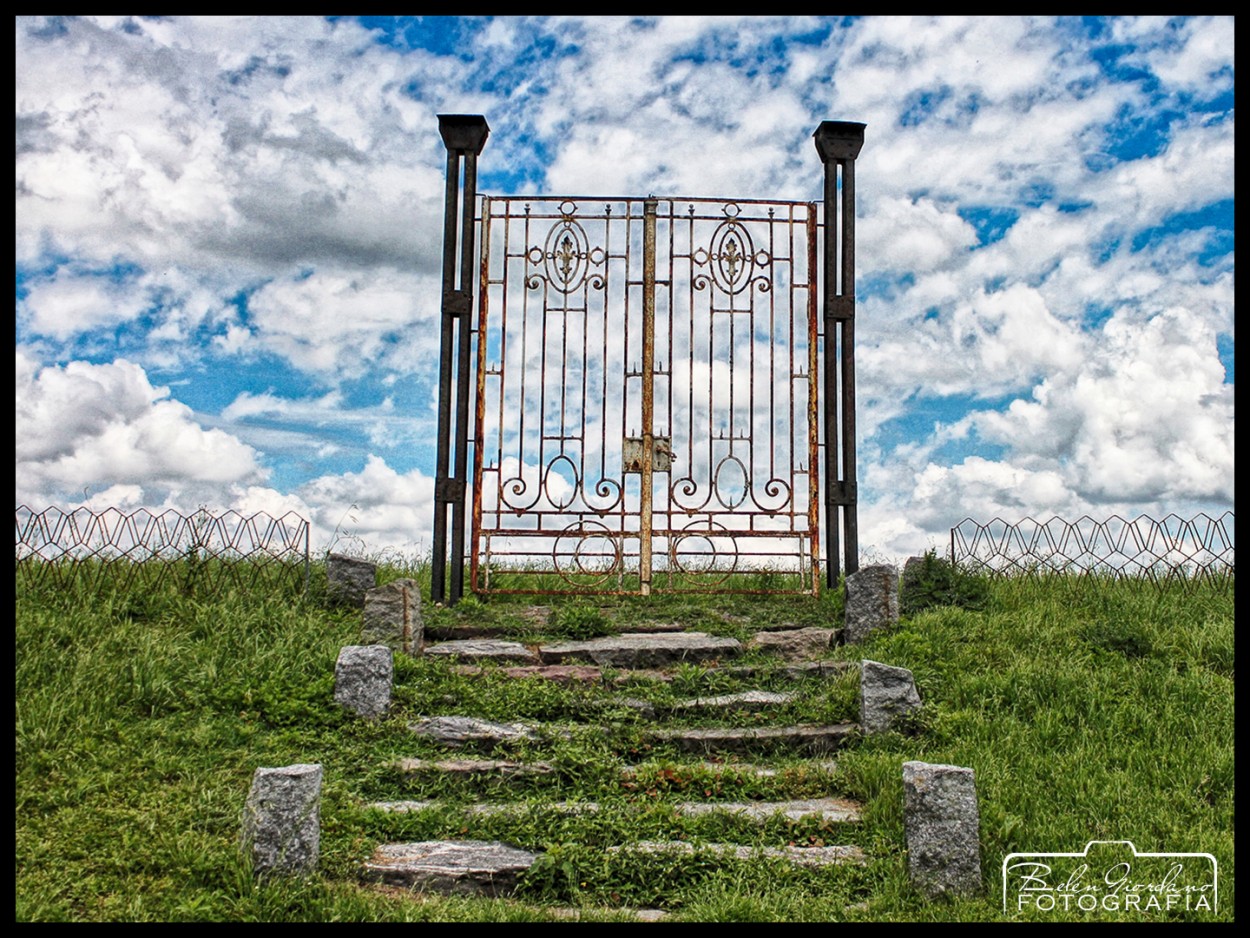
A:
885, 693
871, 601
282, 820
943, 828
393, 617
347, 578
363, 677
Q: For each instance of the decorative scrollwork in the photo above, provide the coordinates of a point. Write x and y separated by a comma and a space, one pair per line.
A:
685, 494
704, 548
586, 554
566, 257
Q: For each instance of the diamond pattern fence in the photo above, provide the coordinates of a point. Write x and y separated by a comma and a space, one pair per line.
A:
1168, 550
202, 553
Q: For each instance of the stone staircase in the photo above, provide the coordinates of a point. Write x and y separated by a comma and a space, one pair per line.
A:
733, 770
740, 734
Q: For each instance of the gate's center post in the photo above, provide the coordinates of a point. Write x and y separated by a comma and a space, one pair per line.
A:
648, 394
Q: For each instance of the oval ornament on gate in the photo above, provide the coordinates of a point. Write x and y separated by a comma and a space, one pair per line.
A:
565, 490
566, 255
730, 482
732, 256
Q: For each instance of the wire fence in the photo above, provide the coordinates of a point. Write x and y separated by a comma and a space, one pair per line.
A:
203, 553
1171, 549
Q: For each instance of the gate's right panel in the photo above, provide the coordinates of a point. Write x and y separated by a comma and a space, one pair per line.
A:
735, 386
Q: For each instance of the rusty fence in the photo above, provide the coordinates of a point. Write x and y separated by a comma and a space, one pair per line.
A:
1170, 549
202, 553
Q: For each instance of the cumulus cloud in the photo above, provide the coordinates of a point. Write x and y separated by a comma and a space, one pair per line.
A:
83, 428
259, 201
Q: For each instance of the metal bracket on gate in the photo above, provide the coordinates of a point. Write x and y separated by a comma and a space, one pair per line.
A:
841, 493
661, 454
448, 490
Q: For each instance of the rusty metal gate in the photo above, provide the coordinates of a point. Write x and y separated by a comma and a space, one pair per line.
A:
646, 412
646, 396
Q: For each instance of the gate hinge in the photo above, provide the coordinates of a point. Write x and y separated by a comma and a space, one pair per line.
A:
448, 491
840, 493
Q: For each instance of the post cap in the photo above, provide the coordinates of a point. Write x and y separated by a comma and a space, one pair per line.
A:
839, 140
463, 131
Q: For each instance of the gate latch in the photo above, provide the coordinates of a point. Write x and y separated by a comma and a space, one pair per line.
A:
661, 456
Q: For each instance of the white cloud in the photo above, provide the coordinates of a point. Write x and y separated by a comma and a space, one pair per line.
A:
84, 427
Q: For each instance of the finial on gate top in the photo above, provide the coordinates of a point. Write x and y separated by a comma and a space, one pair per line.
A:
839, 140
463, 131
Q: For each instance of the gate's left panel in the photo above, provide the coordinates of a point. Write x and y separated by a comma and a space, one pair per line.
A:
559, 323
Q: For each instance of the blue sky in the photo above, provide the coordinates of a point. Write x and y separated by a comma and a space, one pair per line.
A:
228, 237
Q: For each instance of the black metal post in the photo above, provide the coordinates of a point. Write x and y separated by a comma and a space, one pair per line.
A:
464, 135
839, 143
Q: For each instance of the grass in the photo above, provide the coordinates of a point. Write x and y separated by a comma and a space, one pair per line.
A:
1090, 710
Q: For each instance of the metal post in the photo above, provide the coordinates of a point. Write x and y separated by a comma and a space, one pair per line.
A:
464, 135
647, 482
839, 143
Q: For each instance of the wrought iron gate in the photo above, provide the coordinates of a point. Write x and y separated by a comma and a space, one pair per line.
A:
646, 410
646, 396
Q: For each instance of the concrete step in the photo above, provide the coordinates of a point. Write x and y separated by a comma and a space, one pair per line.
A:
810, 739
507, 768
472, 768
492, 868
483, 649
802, 856
450, 867
644, 650
457, 731
833, 810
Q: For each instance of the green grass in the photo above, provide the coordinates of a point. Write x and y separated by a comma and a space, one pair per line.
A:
1090, 710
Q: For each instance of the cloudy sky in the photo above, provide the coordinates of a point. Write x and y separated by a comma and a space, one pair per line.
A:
228, 238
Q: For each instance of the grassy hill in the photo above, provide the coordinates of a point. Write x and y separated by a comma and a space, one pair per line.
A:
1090, 711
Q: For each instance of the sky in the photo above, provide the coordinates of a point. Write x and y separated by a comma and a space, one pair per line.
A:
229, 235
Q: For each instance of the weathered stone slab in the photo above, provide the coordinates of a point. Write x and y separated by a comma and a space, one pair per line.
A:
801, 856
518, 809
795, 644
744, 702
836, 810
824, 668
829, 809
650, 627
463, 868
473, 767
393, 616
282, 820
647, 650
559, 673
363, 678
885, 694
744, 768
348, 578
816, 739
942, 821
871, 601
482, 649
462, 731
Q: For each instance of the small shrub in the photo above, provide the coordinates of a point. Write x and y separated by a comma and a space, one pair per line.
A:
579, 623
941, 583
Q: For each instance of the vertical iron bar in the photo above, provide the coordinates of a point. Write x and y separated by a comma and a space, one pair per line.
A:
438, 571
464, 348
838, 143
849, 512
464, 135
648, 394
